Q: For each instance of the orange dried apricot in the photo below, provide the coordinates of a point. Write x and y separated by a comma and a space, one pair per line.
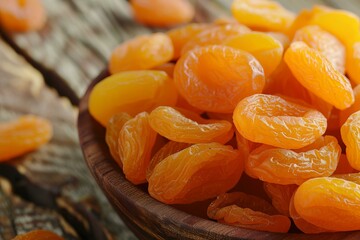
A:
343, 166
172, 124
247, 211
23, 135
266, 49
326, 43
22, 15
280, 196
181, 35
162, 13
284, 166
131, 92
136, 140
39, 235
216, 78
262, 14
275, 121
168, 149
215, 35
318, 75
329, 203
141, 53
197, 173
353, 62
350, 134
113, 129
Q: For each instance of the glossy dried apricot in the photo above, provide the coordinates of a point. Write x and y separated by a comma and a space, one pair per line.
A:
329, 203
162, 13
262, 14
318, 75
197, 173
131, 92
280, 196
266, 49
141, 53
283, 166
173, 125
216, 78
326, 43
23, 135
353, 62
215, 35
247, 211
181, 35
136, 140
113, 129
350, 134
39, 235
22, 15
275, 121
168, 149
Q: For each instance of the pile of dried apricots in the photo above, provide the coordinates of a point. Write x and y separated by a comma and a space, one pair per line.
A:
269, 93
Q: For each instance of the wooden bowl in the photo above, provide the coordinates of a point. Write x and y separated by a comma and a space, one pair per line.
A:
147, 217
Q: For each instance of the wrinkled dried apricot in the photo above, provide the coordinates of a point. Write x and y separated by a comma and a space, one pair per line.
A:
38, 235
274, 121
141, 53
162, 13
23, 135
22, 15
329, 203
280, 196
326, 43
283, 166
173, 125
266, 49
113, 128
199, 172
262, 14
350, 134
181, 35
247, 211
136, 140
318, 75
216, 78
215, 35
353, 62
131, 92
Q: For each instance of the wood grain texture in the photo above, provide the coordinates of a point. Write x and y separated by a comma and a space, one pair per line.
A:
149, 218
48, 187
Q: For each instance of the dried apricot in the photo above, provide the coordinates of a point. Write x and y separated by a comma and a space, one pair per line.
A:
170, 123
352, 177
247, 211
262, 14
350, 132
181, 35
199, 172
274, 121
326, 43
136, 140
280, 196
141, 53
162, 13
216, 78
131, 92
215, 35
23, 135
329, 203
353, 62
39, 235
283, 166
22, 15
113, 128
318, 75
266, 49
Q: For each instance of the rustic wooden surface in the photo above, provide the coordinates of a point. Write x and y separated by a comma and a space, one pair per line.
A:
48, 187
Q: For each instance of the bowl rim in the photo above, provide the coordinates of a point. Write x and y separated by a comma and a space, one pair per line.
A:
128, 199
